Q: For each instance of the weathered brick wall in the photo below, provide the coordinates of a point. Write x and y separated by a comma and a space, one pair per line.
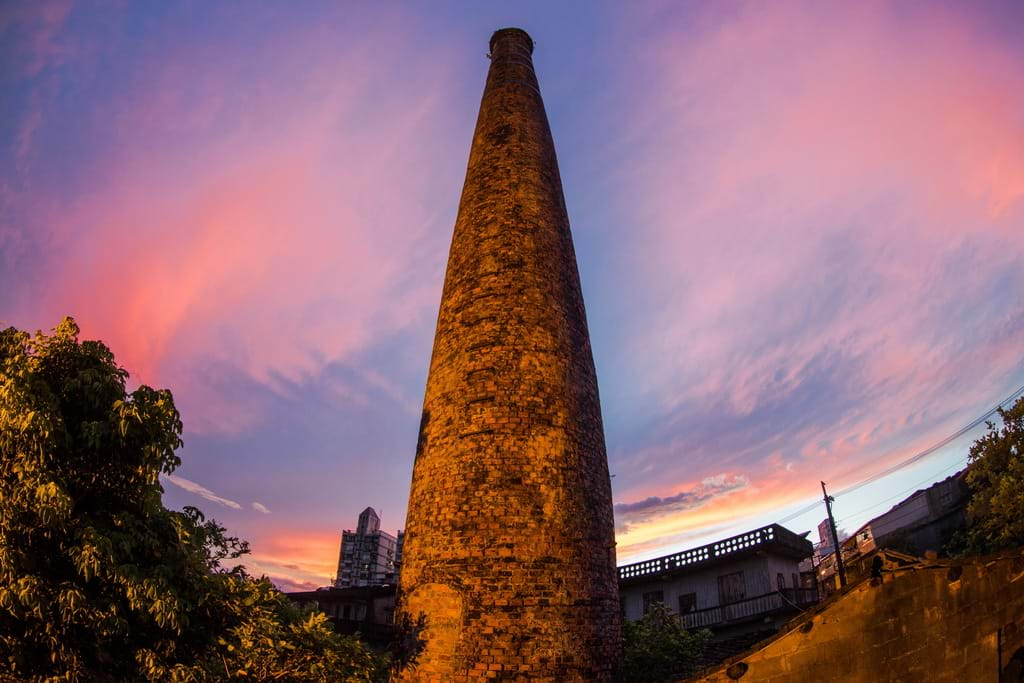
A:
939, 621
509, 546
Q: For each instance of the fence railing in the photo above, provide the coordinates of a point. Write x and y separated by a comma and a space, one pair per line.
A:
788, 598
701, 554
773, 533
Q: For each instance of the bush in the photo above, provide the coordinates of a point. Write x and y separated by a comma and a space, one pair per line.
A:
658, 648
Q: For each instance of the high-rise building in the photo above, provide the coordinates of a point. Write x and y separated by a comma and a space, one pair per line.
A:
510, 546
368, 556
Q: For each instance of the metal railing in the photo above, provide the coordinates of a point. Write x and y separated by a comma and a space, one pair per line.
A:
776, 601
750, 539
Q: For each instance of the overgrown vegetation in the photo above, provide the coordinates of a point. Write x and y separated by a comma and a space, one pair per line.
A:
658, 648
995, 476
98, 580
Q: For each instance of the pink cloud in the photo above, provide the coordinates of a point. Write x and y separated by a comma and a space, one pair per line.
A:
824, 201
824, 189
33, 29
257, 228
792, 150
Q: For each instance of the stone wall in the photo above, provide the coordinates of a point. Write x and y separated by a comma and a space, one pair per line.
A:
509, 547
934, 621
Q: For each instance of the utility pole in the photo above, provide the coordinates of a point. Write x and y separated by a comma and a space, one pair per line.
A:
835, 537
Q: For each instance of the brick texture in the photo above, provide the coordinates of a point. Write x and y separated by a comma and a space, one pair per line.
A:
510, 547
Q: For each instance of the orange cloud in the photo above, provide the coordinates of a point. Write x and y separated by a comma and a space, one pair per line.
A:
295, 559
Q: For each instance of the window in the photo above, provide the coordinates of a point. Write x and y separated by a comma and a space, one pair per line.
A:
687, 602
652, 598
346, 612
780, 580
731, 588
796, 580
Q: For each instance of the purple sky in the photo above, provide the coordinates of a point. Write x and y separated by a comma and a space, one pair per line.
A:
800, 229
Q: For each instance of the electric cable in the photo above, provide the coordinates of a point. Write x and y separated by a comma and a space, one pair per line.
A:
920, 455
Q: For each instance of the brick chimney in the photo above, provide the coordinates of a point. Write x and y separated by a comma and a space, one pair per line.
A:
510, 545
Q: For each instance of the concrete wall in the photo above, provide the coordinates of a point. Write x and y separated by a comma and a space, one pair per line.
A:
785, 566
909, 512
703, 582
938, 621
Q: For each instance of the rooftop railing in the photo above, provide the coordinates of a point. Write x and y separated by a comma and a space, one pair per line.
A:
705, 553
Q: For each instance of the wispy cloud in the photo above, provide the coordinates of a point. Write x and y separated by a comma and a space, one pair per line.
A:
274, 245
807, 253
830, 233
201, 491
260, 507
30, 34
628, 515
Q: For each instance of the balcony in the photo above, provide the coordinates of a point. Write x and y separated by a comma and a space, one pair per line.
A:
787, 599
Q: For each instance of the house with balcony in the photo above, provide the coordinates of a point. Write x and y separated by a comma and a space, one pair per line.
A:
748, 583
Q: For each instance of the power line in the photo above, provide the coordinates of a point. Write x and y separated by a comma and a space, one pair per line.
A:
803, 510
910, 513
931, 449
901, 515
958, 463
912, 459
835, 536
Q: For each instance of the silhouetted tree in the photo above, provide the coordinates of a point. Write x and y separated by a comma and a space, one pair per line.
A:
995, 477
100, 582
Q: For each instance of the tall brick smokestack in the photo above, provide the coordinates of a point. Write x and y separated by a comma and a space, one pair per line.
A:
510, 545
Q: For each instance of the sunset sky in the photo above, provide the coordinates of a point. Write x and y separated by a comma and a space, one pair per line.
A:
800, 231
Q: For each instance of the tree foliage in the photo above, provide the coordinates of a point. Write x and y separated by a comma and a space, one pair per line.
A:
658, 648
100, 582
995, 476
